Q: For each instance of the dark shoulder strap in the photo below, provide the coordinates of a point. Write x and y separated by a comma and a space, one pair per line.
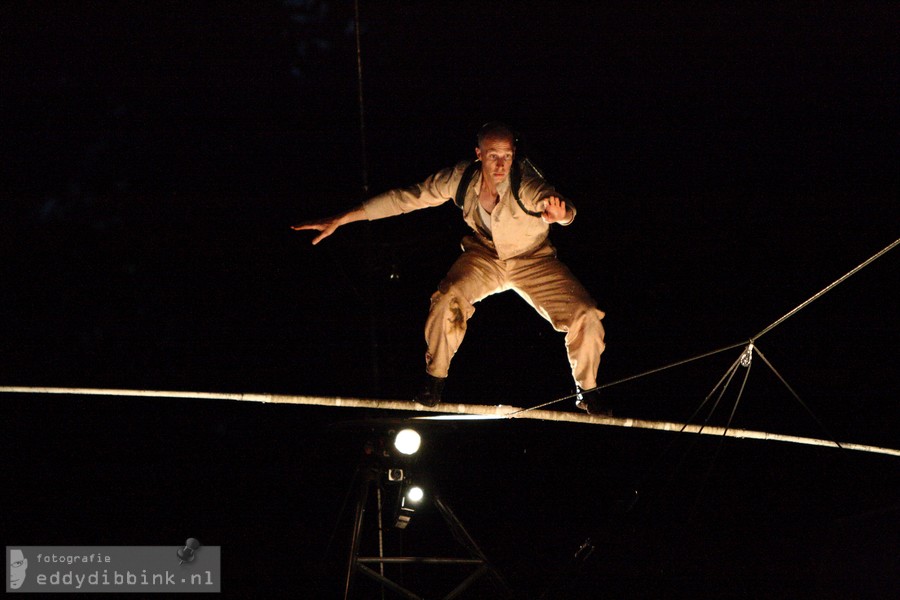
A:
465, 181
515, 182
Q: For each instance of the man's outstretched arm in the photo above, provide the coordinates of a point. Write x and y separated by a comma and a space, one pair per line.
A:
435, 190
328, 225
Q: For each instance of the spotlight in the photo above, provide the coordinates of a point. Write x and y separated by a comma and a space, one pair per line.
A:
415, 494
407, 506
409, 500
404, 516
407, 442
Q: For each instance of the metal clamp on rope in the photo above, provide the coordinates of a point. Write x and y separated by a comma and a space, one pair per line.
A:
747, 355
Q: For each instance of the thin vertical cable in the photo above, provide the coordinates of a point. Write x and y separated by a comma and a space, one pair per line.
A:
362, 115
364, 166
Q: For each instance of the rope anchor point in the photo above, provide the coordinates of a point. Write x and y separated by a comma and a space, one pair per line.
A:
747, 355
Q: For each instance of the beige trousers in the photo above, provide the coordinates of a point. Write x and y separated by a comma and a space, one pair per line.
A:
538, 277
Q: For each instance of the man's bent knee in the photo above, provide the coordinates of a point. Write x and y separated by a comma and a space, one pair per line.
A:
453, 308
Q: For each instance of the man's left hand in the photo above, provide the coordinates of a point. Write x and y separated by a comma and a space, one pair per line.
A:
555, 210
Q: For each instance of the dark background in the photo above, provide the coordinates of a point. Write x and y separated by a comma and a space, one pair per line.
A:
728, 161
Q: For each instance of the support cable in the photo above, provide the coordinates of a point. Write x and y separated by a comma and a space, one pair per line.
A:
373, 290
728, 374
744, 359
752, 340
354, 484
827, 289
724, 389
669, 366
797, 397
631, 378
362, 116
726, 379
712, 465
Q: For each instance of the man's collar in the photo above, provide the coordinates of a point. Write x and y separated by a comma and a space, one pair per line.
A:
501, 187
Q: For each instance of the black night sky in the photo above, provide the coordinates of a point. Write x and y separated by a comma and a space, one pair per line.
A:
728, 160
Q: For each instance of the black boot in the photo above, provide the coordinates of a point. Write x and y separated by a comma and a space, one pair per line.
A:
430, 395
593, 404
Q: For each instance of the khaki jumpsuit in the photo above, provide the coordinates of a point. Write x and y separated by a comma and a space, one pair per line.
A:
515, 254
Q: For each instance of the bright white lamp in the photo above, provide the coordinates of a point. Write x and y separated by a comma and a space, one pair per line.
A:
407, 441
415, 494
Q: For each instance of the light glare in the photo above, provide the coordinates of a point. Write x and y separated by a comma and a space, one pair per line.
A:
407, 441
415, 494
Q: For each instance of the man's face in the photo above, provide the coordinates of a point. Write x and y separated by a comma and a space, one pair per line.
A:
496, 154
17, 565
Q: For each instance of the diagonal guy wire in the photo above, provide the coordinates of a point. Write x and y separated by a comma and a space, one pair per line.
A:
712, 464
827, 289
632, 377
729, 374
846, 276
797, 397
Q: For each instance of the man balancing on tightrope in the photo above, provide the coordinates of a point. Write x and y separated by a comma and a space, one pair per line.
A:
510, 209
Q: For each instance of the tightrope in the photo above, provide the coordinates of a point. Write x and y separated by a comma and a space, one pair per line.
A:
450, 410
